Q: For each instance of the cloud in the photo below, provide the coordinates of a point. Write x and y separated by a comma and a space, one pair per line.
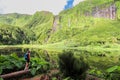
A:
77, 2
31, 6
1, 9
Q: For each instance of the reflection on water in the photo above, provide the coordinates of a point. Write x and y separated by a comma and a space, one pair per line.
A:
96, 59
19, 51
34, 52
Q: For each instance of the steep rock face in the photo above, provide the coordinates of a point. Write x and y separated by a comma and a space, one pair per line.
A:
109, 12
54, 28
55, 23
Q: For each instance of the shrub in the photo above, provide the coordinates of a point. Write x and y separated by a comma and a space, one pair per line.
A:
113, 73
71, 66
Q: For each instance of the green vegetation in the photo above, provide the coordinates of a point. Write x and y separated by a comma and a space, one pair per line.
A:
71, 66
76, 25
41, 24
14, 19
12, 63
94, 38
14, 35
25, 29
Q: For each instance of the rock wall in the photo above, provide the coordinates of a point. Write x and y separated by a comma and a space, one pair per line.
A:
109, 12
100, 12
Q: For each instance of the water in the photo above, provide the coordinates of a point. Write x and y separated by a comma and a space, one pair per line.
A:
34, 52
19, 51
8, 51
94, 58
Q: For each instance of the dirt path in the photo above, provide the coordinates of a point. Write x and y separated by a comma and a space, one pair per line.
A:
43, 76
90, 77
48, 77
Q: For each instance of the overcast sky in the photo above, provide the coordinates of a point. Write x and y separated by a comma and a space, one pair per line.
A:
31, 6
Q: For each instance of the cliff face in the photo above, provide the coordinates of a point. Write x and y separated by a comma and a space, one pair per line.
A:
109, 12
100, 12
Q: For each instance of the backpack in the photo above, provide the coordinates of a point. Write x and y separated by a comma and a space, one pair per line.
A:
26, 56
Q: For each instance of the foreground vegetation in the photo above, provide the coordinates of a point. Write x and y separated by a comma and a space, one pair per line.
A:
86, 65
94, 42
12, 63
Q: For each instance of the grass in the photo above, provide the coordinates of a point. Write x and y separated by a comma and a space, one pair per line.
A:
61, 46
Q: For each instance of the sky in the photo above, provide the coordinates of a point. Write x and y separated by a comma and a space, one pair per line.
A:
69, 4
31, 6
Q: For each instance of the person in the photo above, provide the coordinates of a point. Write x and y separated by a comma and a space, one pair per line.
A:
27, 58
